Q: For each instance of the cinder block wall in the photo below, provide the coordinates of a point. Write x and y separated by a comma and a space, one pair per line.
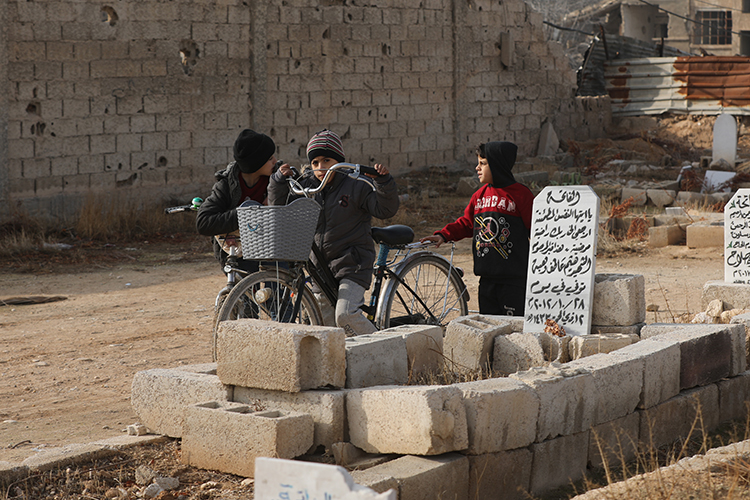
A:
144, 99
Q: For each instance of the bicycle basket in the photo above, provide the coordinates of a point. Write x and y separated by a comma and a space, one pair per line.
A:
282, 232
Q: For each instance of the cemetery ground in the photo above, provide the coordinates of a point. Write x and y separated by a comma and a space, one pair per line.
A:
66, 366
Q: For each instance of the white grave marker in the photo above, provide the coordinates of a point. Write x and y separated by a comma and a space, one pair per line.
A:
277, 479
725, 139
560, 283
737, 238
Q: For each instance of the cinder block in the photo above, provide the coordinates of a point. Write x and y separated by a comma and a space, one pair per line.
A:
662, 236
555, 348
516, 352
558, 462
672, 419
561, 391
618, 381
588, 345
377, 359
424, 347
619, 299
611, 442
500, 476
501, 414
327, 409
705, 235
469, 341
160, 396
744, 320
708, 353
419, 420
661, 369
280, 356
228, 437
423, 478
639, 196
734, 397
732, 295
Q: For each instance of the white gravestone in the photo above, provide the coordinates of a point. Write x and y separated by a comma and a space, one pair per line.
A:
725, 139
737, 238
278, 479
560, 283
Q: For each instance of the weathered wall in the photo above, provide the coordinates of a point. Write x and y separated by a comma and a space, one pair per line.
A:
145, 98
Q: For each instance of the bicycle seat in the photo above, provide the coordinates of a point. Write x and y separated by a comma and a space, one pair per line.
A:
393, 235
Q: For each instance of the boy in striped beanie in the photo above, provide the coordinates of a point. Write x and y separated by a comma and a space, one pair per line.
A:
343, 232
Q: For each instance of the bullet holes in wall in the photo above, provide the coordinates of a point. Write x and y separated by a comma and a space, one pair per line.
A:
189, 53
109, 15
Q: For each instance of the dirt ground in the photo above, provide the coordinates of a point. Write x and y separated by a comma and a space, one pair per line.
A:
66, 367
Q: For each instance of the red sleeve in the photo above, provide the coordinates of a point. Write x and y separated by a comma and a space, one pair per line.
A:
464, 225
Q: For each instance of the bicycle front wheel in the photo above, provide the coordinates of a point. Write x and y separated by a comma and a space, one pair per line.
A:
427, 291
270, 296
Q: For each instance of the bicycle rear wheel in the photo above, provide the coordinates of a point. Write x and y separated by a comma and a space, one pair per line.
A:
428, 291
270, 296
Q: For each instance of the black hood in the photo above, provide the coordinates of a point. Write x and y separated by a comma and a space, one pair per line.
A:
501, 156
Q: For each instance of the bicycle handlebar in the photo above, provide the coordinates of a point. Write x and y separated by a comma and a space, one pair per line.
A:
356, 170
195, 204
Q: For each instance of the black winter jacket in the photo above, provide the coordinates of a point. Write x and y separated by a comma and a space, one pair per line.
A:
343, 232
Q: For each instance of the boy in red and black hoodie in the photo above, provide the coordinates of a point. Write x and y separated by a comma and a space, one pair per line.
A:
498, 218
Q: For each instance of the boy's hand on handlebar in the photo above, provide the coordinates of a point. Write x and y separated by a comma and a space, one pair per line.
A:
382, 170
286, 170
437, 239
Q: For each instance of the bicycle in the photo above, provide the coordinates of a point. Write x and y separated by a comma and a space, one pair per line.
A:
414, 286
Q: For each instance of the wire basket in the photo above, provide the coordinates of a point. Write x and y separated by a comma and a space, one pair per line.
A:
282, 232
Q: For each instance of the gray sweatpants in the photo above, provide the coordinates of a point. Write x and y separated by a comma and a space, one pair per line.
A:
347, 315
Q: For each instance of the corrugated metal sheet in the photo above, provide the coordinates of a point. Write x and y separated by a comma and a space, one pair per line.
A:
695, 84
610, 47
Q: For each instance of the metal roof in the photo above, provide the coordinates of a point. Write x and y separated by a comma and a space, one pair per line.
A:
692, 84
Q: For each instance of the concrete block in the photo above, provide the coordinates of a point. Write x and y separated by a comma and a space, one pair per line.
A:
567, 399
625, 330
662, 236
555, 348
558, 462
734, 397
618, 382
280, 356
707, 353
516, 352
619, 299
11, 472
672, 419
744, 320
424, 347
66, 456
500, 476
588, 345
372, 479
423, 478
228, 437
638, 194
733, 295
419, 420
661, 197
469, 341
611, 442
376, 359
689, 198
327, 409
160, 396
661, 369
705, 235
501, 414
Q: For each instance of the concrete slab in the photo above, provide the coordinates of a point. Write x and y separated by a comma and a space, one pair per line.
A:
501, 414
418, 420
280, 356
53, 458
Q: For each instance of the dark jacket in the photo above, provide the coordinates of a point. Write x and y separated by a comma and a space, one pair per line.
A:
218, 212
343, 231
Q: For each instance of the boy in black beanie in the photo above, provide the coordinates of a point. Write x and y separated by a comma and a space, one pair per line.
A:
246, 178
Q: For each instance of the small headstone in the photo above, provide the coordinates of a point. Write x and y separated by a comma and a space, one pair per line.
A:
737, 238
548, 141
715, 181
725, 139
560, 283
277, 478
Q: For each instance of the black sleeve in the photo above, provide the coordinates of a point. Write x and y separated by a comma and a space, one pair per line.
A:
216, 214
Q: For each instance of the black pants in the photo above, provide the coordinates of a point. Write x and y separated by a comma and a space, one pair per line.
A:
500, 298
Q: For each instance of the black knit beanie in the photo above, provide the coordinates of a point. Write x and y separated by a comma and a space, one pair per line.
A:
252, 150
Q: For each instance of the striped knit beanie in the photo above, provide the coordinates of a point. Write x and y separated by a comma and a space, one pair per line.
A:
325, 143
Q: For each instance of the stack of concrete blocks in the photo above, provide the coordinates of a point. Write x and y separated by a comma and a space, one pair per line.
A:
496, 438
